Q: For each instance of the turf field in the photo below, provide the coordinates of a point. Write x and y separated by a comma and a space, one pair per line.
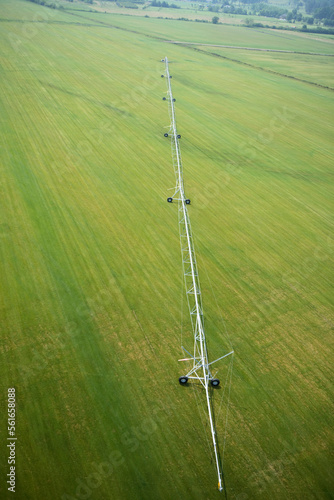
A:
91, 284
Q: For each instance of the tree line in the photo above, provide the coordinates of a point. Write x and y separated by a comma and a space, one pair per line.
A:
165, 5
322, 10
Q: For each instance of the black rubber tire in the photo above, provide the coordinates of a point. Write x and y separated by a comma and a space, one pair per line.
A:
170, 200
166, 135
162, 76
164, 98
174, 100
187, 202
215, 382
170, 76
183, 380
178, 136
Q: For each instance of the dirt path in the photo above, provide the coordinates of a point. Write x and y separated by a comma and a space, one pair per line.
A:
249, 48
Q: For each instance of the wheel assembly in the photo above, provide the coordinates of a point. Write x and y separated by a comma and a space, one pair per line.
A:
183, 380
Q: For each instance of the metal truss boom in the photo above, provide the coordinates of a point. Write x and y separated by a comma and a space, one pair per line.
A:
201, 366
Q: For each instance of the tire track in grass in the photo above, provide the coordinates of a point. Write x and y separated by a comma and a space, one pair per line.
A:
259, 49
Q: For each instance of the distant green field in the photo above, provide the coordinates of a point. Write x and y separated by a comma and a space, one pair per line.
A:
308, 68
215, 34
90, 261
189, 10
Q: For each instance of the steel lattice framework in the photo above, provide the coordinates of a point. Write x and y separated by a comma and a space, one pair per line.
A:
201, 366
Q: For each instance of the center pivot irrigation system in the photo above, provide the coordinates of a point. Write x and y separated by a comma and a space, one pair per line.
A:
201, 366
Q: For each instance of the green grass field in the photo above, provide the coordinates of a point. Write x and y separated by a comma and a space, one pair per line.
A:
90, 261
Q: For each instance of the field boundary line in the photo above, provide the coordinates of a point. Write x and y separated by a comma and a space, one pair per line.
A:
249, 48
